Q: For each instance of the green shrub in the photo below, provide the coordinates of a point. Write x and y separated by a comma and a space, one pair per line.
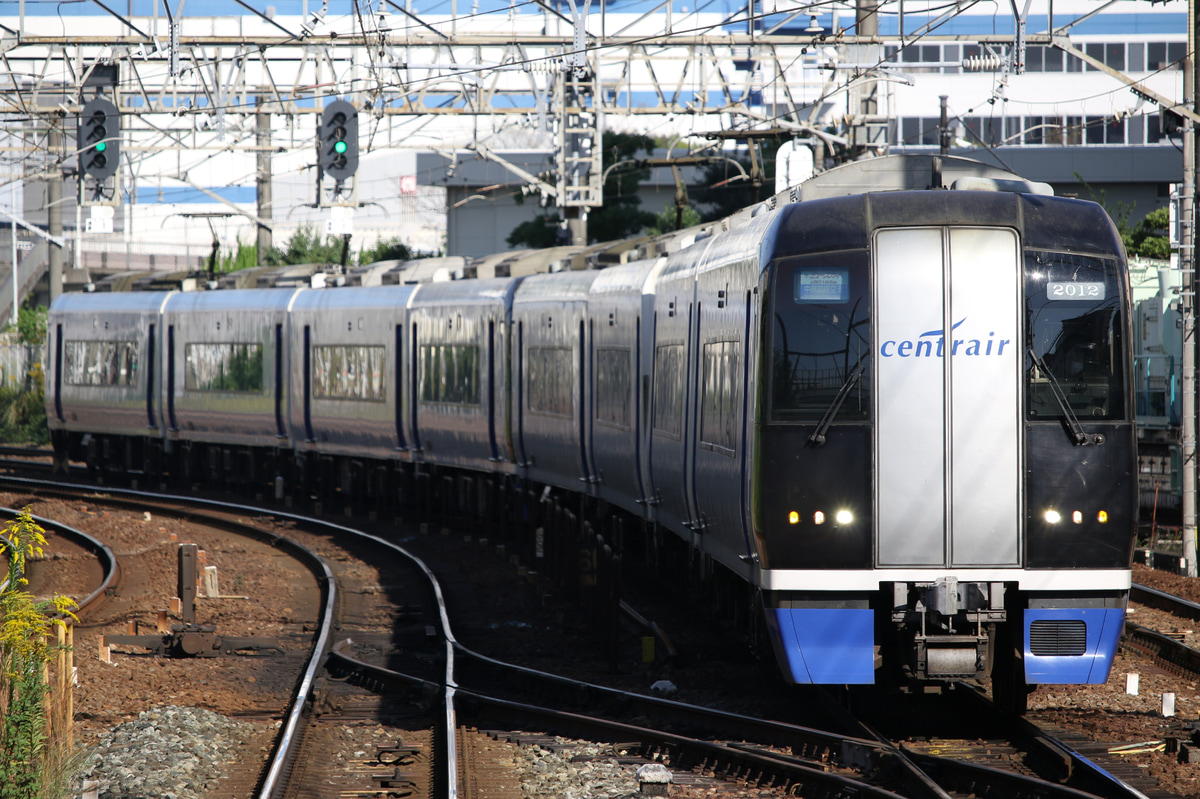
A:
31, 758
23, 411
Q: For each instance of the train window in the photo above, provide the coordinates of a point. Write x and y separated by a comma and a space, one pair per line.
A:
349, 372
1074, 338
718, 410
223, 367
450, 373
550, 378
668, 389
100, 363
820, 335
613, 366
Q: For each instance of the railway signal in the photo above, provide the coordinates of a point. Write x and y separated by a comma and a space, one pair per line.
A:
99, 139
338, 140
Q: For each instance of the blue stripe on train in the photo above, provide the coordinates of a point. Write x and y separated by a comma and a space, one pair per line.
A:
827, 646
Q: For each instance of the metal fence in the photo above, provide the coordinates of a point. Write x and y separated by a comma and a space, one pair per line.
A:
17, 362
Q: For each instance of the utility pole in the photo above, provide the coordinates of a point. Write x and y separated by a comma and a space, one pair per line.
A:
944, 127
1187, 296
54, 207
868, 128
262, 140
578, 164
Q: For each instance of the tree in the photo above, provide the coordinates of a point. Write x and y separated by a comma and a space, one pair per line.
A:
723, 189
539, 233
1149, 238
245, 257
619, 217
305, 247
391, 249
666, 219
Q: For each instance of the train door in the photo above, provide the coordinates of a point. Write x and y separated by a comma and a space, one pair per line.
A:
58, 369
671, 413
582, 392
151, 413
719, 446
948, 429
398, 387
691, 414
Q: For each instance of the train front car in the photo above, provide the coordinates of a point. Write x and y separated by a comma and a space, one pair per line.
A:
945, 480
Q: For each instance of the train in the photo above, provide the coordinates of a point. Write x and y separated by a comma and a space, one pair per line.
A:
898, 423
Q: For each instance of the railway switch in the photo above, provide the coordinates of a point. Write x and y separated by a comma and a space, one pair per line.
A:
189, 639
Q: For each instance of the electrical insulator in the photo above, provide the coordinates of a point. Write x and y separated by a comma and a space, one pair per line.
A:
983, 63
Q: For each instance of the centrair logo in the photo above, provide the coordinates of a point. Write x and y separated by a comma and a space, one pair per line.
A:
932, 344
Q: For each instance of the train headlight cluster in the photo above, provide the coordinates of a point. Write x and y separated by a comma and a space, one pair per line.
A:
1054, 517
841, 517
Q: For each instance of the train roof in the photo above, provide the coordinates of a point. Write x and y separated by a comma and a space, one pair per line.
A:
847, 222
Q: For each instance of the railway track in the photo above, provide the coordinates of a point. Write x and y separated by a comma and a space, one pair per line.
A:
750, 750
1166, 650
483, 695
319, 707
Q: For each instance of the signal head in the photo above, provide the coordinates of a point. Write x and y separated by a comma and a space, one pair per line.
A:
337, 140
99, 139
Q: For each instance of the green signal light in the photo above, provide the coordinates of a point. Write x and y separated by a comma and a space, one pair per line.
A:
339, 147
101, 147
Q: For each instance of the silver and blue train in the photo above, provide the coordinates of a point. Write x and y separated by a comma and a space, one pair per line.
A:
899, 422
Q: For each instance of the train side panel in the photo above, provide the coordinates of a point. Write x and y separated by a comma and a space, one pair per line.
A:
617, 421
455, 378
225, 367
349, 345
101, 372
552, 389
726, 308
673, 409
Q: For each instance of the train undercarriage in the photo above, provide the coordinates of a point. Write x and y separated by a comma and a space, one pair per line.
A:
922, 634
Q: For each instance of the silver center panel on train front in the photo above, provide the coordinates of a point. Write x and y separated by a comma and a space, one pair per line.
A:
948, 365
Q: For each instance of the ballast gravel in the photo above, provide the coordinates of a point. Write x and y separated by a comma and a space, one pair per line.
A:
167, 752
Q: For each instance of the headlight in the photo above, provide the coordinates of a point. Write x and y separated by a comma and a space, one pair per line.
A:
818, 518
1053, 516
844, 517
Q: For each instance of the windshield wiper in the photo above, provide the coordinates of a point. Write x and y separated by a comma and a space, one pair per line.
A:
818, 436
1075, 429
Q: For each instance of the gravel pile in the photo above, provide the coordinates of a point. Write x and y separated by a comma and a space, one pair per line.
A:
575, 771
167, 752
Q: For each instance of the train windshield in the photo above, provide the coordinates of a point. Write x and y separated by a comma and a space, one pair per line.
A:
1074, 331
820, 337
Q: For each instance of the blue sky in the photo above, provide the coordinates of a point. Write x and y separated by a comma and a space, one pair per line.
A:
999, 22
